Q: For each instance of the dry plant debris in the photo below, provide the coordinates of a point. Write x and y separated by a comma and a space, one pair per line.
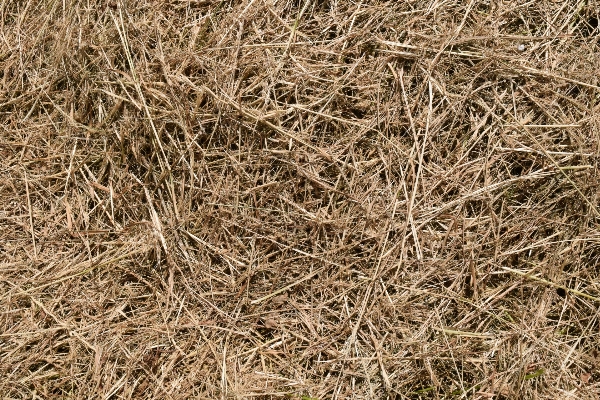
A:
303, 199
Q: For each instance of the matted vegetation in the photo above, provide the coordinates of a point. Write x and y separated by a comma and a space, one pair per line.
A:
299, 199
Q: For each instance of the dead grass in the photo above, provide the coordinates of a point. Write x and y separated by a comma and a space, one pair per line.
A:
303, 199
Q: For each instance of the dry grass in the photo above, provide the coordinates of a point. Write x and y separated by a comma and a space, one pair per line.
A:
299, 199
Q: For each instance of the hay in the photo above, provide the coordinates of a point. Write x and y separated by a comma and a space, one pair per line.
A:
302, 199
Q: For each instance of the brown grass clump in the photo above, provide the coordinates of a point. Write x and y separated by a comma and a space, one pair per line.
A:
299, 199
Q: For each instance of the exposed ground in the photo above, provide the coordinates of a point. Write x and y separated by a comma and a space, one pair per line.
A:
304, 199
